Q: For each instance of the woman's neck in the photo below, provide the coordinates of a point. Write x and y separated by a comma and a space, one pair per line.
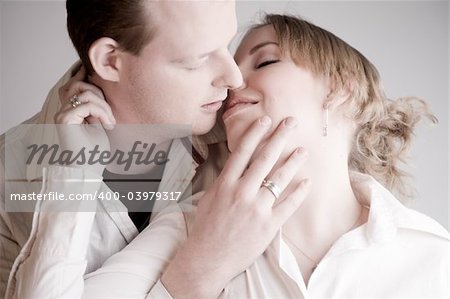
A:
330, 210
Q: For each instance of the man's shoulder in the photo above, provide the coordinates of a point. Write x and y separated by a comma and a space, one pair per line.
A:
13, 148
18, 225
14, 141
46, 115
17, 133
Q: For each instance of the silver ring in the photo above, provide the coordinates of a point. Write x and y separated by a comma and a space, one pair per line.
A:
75, 101
272, 188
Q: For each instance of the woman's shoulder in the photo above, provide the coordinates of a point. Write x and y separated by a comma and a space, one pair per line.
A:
423, 228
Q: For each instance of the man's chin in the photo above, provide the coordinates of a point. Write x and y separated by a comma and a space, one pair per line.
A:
203, 128
203, 131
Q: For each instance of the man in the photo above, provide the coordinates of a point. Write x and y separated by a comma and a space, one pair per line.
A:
155, 62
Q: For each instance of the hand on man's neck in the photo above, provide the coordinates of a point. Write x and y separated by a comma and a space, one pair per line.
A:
123, 139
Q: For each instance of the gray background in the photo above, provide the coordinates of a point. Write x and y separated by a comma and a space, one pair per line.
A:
407, 40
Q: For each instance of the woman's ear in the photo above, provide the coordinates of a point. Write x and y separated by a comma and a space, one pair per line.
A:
105, 57
336, 98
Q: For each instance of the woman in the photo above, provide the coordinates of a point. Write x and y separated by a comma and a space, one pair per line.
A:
351, 237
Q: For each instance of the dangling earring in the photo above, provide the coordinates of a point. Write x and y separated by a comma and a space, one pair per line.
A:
325, 120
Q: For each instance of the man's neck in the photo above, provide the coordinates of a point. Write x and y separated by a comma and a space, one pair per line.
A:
147, 155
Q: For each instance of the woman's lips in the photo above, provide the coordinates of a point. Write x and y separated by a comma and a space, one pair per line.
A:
236, 108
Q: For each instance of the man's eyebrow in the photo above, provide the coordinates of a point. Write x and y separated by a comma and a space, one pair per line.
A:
260, 45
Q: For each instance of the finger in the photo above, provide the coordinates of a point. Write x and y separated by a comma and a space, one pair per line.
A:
287, 207
80, 113
78, 87
283, 176
75, 86
269, 154
93, 120
99, 116
239, 159
90, 97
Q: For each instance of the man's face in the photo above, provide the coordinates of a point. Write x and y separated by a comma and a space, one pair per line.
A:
182, 75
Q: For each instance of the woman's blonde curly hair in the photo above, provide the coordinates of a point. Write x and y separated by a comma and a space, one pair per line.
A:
384, 127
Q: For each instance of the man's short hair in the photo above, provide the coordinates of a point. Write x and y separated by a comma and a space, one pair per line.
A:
125, 21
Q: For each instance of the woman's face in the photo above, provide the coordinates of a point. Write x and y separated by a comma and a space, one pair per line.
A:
274, 85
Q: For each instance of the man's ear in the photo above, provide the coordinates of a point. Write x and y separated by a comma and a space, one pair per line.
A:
106, 58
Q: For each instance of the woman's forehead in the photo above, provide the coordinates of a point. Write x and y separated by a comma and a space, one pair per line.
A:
254, 37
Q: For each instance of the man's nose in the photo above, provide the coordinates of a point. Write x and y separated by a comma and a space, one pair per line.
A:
231, 76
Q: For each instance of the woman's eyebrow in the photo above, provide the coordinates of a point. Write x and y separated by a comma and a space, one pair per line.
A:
260, 45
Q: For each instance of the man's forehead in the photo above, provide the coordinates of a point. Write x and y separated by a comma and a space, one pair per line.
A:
196, 25
183, 11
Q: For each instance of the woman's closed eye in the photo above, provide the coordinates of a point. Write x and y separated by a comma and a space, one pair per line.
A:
267, 62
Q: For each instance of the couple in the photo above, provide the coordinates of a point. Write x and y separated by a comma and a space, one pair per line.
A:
274, 223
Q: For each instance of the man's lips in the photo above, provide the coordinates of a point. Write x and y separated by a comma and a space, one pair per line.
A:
213, 106
237, 104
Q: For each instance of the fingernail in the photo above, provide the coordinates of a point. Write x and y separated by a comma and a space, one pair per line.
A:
306, 183
109, 126
265, 120
301, 151
290, 122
